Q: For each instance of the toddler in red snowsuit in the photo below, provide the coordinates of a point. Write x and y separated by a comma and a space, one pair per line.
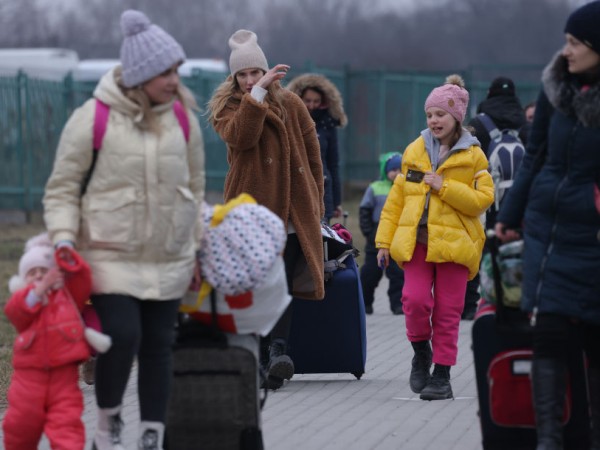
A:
44, 395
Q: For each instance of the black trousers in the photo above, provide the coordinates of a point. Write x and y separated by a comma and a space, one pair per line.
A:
472, 295
142, 328
371, 274
553, 335
291, 255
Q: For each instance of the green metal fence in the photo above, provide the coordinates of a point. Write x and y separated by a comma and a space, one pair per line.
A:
385, 112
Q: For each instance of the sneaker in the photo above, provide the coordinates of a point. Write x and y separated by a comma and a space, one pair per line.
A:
88, 371
438, 387
151, 435
149, 440
108, 429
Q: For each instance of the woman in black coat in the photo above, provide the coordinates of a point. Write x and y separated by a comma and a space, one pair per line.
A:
555, 208
325, 105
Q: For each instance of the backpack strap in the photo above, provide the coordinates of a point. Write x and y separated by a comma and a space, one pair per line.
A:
103, 111
182, 118
490, 126
100, 122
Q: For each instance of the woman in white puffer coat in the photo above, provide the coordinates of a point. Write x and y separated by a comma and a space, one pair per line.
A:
137, 221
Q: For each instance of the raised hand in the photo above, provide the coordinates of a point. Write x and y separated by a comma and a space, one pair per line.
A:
65, 253
276, 72
53, 279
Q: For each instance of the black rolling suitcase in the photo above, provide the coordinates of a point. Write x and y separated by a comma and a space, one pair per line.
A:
329, 336
215, 402
502, 351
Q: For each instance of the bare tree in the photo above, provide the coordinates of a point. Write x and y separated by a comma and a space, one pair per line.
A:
331, 33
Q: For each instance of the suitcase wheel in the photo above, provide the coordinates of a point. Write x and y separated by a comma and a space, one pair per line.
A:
358, 374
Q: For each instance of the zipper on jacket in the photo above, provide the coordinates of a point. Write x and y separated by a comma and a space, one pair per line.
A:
545, 258
44, 330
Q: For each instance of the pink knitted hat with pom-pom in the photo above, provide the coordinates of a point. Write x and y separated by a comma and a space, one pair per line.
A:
452, 97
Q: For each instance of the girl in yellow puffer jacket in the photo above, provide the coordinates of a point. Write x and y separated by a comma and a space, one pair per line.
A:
430, 226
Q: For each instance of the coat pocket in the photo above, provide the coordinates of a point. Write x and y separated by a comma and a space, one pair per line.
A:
71, 331
24, 340
109, 220
184, 218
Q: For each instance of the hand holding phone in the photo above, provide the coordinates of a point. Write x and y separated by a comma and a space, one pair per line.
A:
434, 180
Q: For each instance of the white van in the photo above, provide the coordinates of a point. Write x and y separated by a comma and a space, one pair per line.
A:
93, 69
208, 64
45, 63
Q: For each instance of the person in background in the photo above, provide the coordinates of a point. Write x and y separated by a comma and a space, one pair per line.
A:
529, 111
44, 396
503, 107
273, 154
137, 222
552, 205
369, 212
324, 102
430, 226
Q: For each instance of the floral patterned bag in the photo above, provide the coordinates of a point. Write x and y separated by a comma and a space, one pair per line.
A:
510, 264
241, 242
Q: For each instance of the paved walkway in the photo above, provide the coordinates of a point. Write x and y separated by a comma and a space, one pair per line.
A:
336, 411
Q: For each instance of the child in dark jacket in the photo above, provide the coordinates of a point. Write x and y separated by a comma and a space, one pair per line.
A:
369, 212
44, 395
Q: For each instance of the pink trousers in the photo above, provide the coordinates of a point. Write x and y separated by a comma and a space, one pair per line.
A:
433, 299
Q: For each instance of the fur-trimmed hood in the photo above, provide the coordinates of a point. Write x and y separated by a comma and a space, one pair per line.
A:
564, 93
333, 99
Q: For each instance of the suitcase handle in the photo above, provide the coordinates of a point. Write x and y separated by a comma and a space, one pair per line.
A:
500, 308
505, 317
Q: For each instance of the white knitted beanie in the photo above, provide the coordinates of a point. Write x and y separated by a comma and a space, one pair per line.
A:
147, 50
245, 52
39, 252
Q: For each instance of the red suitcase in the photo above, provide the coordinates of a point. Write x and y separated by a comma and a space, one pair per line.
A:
502, 352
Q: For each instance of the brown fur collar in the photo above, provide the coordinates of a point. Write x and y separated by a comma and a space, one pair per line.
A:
333, 98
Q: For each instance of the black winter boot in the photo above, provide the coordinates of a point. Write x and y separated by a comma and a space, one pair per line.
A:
281, 366
438, 387
594, 383
549, 384
421, 365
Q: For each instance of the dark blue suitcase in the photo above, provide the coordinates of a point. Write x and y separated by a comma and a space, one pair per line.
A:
329, 336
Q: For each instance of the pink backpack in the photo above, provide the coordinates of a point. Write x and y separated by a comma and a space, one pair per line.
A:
101, 121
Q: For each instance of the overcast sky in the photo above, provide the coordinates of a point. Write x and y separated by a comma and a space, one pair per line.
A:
382, 34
